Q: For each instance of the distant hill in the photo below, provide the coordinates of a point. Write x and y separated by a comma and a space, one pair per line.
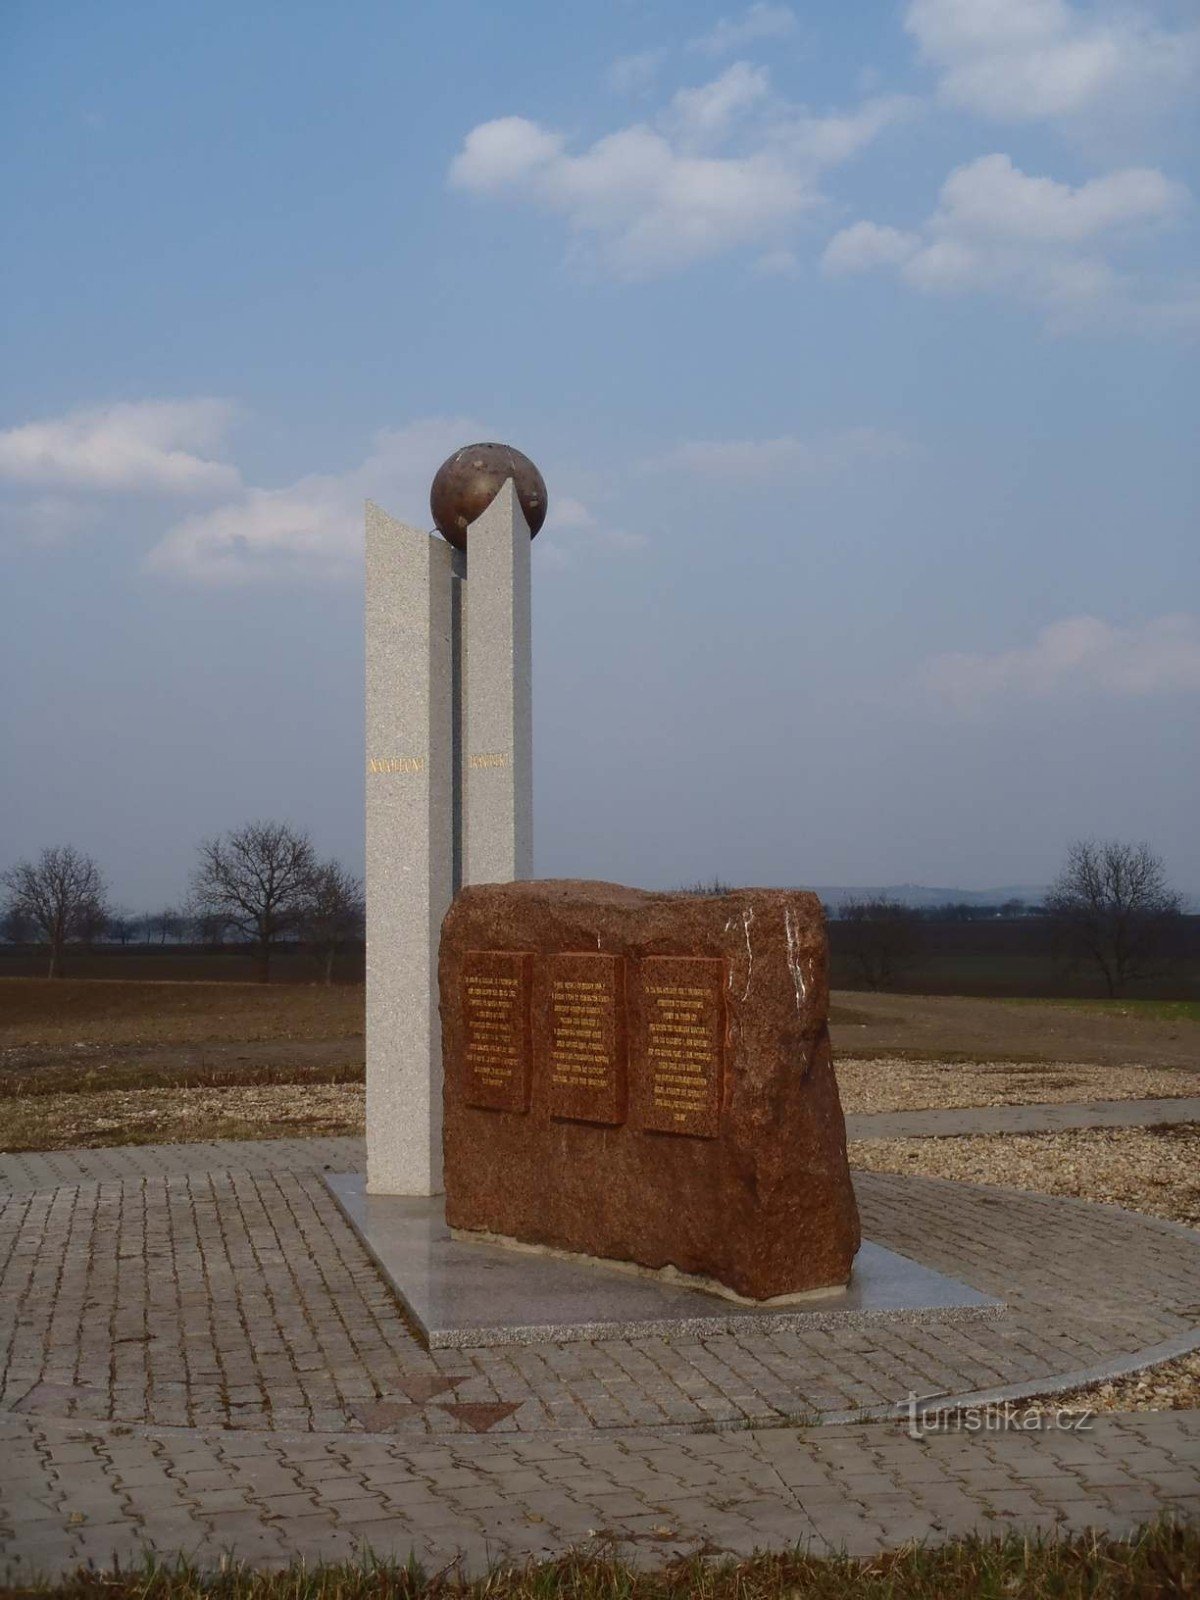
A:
922, 895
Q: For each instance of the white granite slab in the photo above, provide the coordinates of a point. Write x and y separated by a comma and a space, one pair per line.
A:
465, 1294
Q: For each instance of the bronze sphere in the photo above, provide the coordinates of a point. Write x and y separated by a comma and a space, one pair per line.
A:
465, 485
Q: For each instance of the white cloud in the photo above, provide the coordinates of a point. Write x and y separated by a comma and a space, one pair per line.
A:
817, 455
999, 229
149, 446
704, 116
635, 74
761, 21
572, 530
1076, 655
1018, 60
727, 164
868, 244
312, 530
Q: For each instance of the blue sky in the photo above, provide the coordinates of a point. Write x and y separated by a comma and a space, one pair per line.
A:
858, 346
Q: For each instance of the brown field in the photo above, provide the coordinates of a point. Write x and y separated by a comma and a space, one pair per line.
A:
38, 1011
108, 1062
963, 1028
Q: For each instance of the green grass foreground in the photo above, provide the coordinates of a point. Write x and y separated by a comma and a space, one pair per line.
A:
1160, 1561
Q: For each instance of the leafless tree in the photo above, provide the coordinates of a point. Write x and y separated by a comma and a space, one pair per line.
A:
120, 925
61, 894
16, 926
333, 914
881, 938
166, 924
257, 880
1111, 906
210, 929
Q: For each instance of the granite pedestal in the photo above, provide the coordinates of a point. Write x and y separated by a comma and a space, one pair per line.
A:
466, 1294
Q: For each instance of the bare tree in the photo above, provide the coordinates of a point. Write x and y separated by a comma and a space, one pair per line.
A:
166, 924
16, 926
881, 938
257, 880
1110, 906
61, 894
120, 926
210, 929
333, 915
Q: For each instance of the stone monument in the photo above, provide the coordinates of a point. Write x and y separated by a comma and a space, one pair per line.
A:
449, 769
646, 1078
639, 1118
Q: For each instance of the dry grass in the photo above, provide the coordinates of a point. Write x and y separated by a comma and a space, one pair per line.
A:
1159, 1562
36, 1011
891, 1083
180, 1116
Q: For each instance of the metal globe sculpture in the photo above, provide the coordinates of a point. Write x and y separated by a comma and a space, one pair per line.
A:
467, 482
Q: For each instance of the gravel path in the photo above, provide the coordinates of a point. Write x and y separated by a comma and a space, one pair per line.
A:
1023, 1119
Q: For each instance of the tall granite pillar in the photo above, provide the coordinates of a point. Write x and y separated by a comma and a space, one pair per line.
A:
497, 768
411, 785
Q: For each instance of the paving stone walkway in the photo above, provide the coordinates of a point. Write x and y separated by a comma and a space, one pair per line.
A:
197, 1354
950, 1122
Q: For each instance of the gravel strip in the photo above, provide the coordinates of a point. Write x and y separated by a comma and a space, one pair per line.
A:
180, 1116
1154, 1170
890, 1083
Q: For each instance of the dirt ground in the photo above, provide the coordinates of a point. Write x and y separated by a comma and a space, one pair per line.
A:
933, 1026
96, 1011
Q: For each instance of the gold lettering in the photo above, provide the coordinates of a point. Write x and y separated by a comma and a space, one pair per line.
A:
396, 764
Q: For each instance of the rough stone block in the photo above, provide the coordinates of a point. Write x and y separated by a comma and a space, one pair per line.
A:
647, 1078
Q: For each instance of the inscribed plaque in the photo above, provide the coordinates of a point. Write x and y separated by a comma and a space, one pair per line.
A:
681, 1054
496, 1028
585, 1046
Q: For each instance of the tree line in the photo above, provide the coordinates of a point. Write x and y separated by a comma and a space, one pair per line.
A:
261, 885
1109, 909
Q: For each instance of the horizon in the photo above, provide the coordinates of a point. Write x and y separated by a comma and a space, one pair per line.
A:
859, 358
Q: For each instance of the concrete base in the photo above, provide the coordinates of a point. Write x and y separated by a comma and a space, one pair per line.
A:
464, 1294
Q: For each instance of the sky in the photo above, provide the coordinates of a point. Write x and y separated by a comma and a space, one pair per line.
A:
857, 345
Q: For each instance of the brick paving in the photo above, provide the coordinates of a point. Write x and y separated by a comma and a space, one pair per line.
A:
106, 1493
197, 1354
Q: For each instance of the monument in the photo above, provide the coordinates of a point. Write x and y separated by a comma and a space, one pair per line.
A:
449, 762
639, 1118
646, 1078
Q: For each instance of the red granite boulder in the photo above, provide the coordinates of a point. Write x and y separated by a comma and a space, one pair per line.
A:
647, 1078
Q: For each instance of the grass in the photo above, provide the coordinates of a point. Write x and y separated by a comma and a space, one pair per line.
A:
1159, 1562
1141, 1010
